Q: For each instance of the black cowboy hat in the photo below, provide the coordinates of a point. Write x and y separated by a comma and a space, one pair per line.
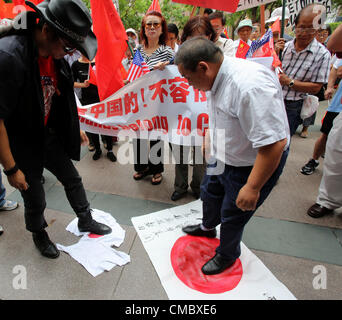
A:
72, 21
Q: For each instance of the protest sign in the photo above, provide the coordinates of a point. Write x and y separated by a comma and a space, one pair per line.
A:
296, 5
247, 4
160, 104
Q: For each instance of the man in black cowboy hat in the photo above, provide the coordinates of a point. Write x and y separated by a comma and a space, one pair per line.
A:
39, 126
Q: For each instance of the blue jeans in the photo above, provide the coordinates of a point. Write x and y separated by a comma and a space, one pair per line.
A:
2, 192
219, 193
293, 110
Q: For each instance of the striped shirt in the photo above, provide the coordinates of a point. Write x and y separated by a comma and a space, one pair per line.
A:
162, 54
309, 65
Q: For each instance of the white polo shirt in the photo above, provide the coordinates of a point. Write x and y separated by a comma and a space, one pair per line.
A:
246, 104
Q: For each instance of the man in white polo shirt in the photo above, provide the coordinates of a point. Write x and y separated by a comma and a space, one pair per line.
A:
250, 138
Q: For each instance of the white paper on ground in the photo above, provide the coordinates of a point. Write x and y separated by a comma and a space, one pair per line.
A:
159, 231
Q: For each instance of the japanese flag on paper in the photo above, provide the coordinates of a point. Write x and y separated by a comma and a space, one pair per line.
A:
159, 231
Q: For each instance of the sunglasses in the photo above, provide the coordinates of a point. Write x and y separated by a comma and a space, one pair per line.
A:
154, 24
67, 47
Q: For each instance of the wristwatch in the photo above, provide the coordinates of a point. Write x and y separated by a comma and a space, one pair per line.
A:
291, 84
11, 171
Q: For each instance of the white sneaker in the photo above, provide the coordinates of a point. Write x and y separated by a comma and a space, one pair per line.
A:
9, 205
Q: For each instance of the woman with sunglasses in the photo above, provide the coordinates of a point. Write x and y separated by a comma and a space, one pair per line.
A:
157, 55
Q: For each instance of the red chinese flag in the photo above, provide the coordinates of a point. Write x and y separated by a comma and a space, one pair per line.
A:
18, 2
9, 8
276, 61
242, 50
223, 5
124, 73
6, 10
154, 6
111, 38
226, 33
276, 26
2, 11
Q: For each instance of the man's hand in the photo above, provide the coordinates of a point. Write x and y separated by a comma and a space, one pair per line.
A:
284, 79
279, 45
18, 181
205, 149
247, 198
84, 138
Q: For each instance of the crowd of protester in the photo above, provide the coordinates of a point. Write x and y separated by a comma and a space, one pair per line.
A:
308, 68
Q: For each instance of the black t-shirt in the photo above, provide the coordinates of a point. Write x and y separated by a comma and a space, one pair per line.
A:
80, 72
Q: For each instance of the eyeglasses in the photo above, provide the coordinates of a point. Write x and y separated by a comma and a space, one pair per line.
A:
305, 30
155, 25
67, 47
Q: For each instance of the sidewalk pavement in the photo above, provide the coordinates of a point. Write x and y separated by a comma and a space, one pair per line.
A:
295, 247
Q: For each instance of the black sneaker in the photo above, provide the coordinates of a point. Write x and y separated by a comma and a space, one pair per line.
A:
310, 167
111, 156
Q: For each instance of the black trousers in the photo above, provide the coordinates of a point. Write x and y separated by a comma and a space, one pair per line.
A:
219, 194
59, 164
94, 138
148, 154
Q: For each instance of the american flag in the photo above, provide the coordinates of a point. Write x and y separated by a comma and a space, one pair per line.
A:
137, 68
264, 44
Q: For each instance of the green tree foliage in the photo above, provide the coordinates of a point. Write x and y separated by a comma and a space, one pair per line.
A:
87, 3
132, 12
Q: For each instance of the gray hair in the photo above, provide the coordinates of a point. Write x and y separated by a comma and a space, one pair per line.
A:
197, 49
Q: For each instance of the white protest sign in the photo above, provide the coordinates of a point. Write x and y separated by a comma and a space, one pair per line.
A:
160, 231
247, 4
160, 104
295, 6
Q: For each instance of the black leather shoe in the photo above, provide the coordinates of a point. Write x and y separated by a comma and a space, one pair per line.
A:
92, 226
111, 156
318, 211
195, 230
46, 247
177, 195
97, 155
217, 265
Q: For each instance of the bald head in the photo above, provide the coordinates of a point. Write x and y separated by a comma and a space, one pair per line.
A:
312, 11
197, 49
199, 61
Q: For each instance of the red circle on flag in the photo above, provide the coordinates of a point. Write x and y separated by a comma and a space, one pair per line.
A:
189, 254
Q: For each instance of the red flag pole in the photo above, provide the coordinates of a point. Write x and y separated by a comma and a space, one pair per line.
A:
262, 19
193, 11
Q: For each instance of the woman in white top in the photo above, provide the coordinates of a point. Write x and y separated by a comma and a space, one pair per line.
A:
156, 54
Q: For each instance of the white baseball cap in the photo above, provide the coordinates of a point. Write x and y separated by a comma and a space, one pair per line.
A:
278, 13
